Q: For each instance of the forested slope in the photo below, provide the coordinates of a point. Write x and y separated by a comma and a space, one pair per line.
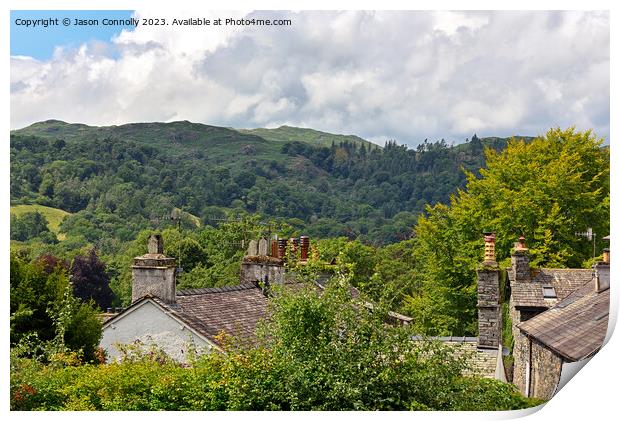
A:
118, 180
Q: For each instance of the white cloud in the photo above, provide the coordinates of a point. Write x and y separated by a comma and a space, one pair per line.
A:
381, 75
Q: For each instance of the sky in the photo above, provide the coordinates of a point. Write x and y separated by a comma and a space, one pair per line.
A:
406, 76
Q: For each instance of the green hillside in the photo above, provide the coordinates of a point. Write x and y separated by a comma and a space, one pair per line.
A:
177, 137
313, 137
117, 180
54, 216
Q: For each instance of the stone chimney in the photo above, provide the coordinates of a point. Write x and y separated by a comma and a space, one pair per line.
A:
257, 265
601, 273
154, 273
489, 310
520, 268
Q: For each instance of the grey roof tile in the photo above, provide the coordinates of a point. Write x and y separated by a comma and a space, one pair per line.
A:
575, 329
564, 281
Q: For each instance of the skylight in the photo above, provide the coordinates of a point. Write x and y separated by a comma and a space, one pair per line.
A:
549, 292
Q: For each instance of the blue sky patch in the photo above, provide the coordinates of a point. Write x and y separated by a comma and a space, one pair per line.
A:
39, 41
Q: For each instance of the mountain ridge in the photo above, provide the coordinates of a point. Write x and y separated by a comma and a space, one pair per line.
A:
185, 130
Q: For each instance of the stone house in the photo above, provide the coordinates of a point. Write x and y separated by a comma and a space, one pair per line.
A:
175, 320
559, 317
485, 350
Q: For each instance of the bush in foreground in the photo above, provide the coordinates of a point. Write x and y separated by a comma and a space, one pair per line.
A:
318, 352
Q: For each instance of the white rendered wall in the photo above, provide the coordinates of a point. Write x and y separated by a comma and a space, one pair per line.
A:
151, 325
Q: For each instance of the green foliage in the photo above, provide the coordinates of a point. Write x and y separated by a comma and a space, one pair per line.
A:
394, 276
360, 261
53, 216
30, 225
43, 308
312, 137
120, 180
546, 190
90, 281
320, 352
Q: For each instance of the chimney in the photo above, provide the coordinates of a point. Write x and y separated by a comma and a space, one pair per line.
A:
489, 310
520, 268
261, 266
282, 248
606, 256
305, 247
154, 273
601, 273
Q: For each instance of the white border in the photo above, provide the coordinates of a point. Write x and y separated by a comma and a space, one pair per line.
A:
590, 395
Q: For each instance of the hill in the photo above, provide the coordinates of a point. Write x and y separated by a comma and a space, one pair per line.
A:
117, 180
310, 136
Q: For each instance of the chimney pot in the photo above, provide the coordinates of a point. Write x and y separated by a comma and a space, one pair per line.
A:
282, 248
155, 244
521, 244
305, 247
489, 247
606, 256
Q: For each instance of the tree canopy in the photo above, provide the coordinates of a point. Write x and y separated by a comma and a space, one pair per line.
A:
546, 190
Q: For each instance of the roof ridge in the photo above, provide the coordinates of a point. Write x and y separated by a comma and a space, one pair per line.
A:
215, 290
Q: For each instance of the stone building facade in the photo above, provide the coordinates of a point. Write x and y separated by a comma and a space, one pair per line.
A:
558, 316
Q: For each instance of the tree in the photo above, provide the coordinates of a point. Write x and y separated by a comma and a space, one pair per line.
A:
90, 280
43, 306
545, 190
328, 352
28, 226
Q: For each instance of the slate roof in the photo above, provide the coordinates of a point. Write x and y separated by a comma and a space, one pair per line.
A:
564, 281
576, 327
234, 310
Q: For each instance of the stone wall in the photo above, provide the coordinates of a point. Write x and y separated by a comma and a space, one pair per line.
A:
543, 365
479, 362
546, 370
520, 351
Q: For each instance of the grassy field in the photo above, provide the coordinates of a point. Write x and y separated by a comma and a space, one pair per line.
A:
54, 216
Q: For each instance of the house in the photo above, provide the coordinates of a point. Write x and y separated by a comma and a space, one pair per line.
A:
559, 316
174, 320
